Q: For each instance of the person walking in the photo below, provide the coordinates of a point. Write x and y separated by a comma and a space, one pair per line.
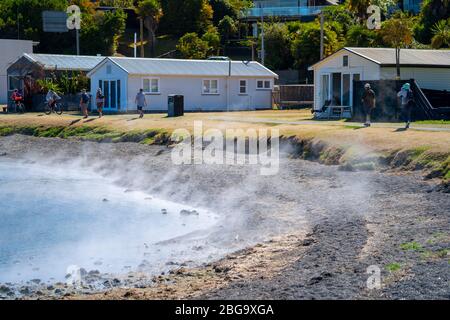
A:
407, 100
141, 102
100, 101
84, 102
369, 102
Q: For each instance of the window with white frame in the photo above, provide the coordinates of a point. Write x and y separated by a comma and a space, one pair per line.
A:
210, 86
263, 84
242, 86
150, 85
345, 61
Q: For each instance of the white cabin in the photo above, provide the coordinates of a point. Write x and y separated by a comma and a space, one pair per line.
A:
334, 75
207, 85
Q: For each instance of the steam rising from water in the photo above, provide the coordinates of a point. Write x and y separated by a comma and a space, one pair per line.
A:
52, 219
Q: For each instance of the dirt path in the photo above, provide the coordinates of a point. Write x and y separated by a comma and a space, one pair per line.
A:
309, 232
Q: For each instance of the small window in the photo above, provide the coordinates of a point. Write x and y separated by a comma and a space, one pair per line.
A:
108, 69
210, 86
14, 83
345, 61
242, 86
150, 85
263, 84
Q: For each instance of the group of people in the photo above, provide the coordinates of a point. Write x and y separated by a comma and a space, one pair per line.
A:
407, 103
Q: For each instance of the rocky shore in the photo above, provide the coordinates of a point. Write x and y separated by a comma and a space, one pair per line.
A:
309, 232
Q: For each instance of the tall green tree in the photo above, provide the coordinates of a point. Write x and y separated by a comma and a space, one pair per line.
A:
227, 28
185, 16
306, 44
212, 38
359, 36
151, 12
22, 19
277, 46
191, 46
432, 11
100, 32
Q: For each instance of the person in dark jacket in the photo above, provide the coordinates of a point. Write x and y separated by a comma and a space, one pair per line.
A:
407, 100
84, 102
369, 102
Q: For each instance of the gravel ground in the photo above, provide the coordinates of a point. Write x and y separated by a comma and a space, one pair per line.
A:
340, 222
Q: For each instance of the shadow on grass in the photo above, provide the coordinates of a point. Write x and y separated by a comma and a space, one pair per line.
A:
73, 122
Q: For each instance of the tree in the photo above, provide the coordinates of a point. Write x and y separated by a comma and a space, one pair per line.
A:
277, 45
306, 44
359, 36
212, 38
192, 47
227, 27
222, 8
100, 33
185, 16
432, 11
441, 34
396, 32
359, 8
150, 11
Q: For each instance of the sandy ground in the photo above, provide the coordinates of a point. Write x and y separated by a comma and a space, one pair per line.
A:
309, 232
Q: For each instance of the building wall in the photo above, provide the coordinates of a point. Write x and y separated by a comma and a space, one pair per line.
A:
11, 50
427, 78
367, 69
116, 74
195, 100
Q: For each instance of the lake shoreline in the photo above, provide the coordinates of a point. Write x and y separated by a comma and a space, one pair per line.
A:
309, 233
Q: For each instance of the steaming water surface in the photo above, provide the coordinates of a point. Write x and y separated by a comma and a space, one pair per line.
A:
52, 219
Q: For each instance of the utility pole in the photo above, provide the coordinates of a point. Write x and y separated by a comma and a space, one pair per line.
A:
321, 34
78, 41
135, 45
228, 84
263, 50
141, 26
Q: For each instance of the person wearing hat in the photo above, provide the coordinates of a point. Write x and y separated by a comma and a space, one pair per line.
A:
369, 102
407, 101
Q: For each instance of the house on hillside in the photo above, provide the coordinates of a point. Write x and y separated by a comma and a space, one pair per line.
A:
207, 85
336, 77
30, 67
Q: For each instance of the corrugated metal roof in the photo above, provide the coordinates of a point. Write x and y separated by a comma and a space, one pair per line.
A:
408, 57
210, 68
65, 62
412, 57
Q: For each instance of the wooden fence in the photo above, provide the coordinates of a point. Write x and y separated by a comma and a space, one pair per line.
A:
297, 95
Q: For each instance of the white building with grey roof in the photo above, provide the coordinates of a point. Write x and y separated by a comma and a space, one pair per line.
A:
334, 75
207, 85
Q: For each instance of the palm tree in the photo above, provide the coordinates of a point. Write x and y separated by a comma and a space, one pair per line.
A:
441, 34
150, 12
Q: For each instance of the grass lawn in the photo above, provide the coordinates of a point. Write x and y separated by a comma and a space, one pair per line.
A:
427, 148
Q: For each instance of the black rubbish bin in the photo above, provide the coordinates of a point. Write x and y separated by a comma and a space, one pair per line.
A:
175, 105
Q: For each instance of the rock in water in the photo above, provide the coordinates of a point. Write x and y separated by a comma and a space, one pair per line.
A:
188, 212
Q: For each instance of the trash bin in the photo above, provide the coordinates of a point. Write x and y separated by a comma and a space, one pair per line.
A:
175, 105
